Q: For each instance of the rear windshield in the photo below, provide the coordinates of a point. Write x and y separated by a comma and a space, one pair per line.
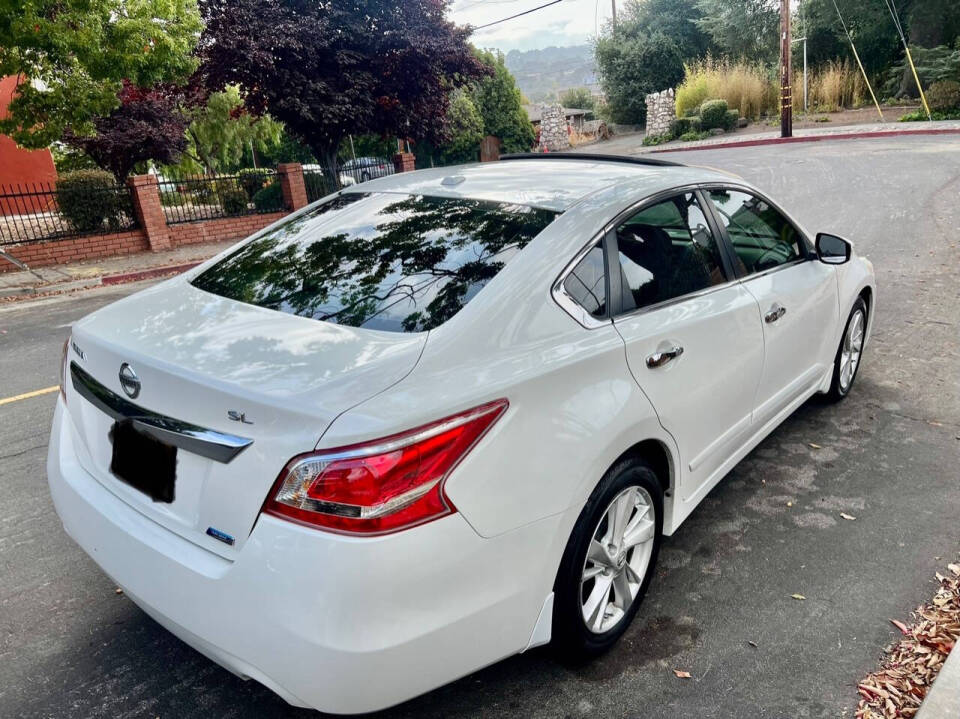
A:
401, 263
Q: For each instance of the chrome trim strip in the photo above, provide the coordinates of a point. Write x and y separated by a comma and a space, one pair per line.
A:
565, 301
209, 443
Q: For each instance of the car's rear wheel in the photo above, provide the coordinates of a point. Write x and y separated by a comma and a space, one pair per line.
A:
608, 561
847, 361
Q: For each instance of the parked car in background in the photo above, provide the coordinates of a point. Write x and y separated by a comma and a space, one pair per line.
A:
361, 169
428, 423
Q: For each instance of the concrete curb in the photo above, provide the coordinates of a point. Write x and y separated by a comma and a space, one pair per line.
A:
943, 699
91, 282
809, 138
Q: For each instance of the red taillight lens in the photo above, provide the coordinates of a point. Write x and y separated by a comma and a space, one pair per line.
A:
381, 486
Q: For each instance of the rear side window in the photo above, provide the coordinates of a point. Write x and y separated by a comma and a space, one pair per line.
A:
400, 263
761, 237
587, 282
665, 251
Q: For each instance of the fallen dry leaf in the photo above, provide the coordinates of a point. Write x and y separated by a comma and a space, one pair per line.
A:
118, 591
955, 568
847, 516
799, 597
752, 644
682, 674
901, 626
814, 446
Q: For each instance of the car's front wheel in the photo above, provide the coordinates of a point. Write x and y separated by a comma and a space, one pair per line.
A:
608, 561
847, 361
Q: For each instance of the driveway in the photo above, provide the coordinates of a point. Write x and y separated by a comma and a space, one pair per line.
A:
889, 456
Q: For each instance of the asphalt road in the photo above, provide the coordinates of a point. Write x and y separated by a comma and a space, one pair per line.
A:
889, 455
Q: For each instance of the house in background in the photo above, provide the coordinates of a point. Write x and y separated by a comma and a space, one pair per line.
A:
21, 167
574, 116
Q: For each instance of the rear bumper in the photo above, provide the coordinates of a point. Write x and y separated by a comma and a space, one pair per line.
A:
336, 623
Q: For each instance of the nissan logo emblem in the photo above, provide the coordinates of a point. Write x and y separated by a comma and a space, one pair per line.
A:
129, 381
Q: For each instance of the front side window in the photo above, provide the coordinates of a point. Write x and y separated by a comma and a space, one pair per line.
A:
400, 263
762, 238
587, 282
665, 251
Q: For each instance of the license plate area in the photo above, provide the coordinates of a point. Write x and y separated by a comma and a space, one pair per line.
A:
143, 462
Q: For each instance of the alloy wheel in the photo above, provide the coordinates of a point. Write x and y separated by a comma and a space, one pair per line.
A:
617, 558
851, 349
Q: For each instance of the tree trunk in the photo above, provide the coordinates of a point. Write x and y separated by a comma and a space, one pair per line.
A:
327, 156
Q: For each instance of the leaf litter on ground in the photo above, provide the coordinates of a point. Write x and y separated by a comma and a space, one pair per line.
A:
906, 673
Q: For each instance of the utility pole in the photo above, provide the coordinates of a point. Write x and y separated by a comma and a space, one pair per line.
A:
786, 96
613, 7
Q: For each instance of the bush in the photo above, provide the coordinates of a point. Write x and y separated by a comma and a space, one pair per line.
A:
830, 88
731, 119
233, 200
251, 180
713, 113
692, 136
270, 198
172, 198
88, 198
749, 88
944, 96
649, 140
684, 125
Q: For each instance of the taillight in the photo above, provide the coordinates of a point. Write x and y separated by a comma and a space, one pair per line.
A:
381, 486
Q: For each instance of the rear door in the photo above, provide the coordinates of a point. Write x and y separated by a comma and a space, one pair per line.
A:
693, 337
797, 296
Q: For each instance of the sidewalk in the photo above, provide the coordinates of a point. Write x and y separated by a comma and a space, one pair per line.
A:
107, 271
943, 699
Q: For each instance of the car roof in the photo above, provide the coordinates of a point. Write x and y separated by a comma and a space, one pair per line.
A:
553, 183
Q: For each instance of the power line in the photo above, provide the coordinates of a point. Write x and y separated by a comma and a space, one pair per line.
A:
519, 14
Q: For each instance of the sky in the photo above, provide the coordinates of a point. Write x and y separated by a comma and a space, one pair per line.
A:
570, 22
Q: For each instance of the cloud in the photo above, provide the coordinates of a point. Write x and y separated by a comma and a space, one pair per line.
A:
571, 22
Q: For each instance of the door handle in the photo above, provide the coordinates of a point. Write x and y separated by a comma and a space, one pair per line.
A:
660, 358
775, 313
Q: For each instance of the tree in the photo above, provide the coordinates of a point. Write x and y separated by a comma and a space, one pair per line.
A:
329, 69
72, 56
630, 68
674, 19
148, 125
578, 98
222, 129
743, 28
498, 101
465, 127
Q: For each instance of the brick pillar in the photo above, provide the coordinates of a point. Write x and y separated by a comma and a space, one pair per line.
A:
292, 184
148, 210
404, 162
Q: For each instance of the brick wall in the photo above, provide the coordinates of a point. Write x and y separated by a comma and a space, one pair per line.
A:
86, 247
221, 230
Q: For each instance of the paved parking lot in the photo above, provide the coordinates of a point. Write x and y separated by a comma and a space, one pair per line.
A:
889, 455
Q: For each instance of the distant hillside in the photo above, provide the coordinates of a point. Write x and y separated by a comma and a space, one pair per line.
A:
542, 74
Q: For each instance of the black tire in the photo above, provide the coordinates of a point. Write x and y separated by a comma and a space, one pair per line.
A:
572, 639
837, 391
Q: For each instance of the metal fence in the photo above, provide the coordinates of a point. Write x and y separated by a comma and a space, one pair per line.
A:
351, 172
38, 211
189, 198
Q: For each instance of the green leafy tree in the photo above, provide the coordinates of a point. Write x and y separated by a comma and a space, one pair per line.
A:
578, 98
72, 56
675, 19
465, 128
499, 102
632, 67
742, 28
222, 130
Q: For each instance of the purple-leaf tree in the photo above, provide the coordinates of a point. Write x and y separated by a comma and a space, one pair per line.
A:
327, 69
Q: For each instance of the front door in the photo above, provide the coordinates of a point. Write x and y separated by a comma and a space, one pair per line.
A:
796, 294
693, 337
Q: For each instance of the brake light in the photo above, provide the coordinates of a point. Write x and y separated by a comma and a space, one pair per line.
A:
381, 486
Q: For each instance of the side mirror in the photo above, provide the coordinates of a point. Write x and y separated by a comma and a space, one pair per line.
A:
833, 250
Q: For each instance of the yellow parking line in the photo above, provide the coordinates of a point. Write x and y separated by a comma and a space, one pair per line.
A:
28, 395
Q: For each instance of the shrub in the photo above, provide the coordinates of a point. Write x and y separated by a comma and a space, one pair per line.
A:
270, 198
693, 135
831, 87
88, 198
944, 96
731, 119
744, 86
683, 125
233, 200
657, 139
713, 113
251, 180
172, 198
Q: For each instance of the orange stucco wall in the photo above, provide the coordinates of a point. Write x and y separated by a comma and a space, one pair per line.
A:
17, 166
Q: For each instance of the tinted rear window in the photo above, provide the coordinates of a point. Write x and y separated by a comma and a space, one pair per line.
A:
402, 263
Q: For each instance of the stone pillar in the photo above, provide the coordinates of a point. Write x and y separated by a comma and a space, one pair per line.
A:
148, 211
404, 162
292, 185
554, 135
661, 112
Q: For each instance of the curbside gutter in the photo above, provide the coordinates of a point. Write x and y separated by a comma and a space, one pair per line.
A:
943, 699
54, 288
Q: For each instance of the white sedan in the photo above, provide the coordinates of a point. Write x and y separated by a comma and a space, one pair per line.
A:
440, 418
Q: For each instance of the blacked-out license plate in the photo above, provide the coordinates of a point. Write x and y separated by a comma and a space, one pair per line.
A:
143, 462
